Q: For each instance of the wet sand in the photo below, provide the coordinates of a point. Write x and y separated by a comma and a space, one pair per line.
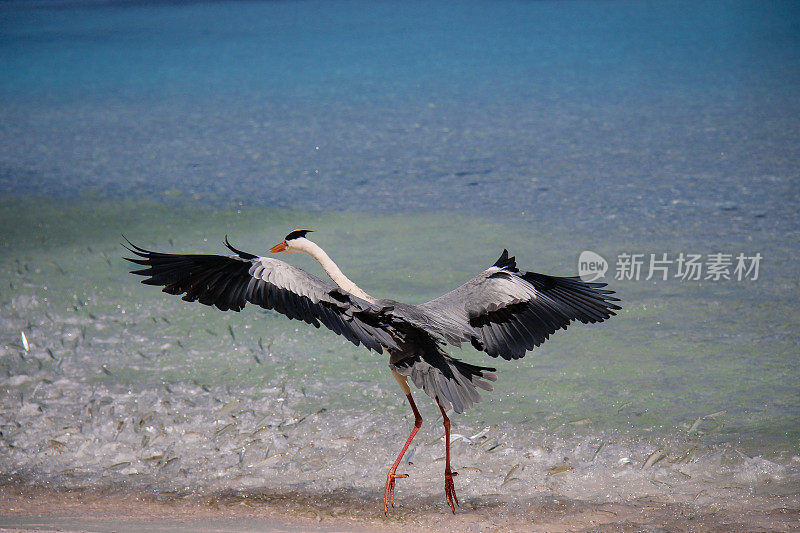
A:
42, 509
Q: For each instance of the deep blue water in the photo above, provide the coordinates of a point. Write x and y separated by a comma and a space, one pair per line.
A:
575, 111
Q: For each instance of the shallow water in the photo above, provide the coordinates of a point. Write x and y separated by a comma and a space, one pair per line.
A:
123, 384
418, 142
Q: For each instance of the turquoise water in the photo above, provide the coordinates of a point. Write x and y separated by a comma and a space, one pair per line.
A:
418, 141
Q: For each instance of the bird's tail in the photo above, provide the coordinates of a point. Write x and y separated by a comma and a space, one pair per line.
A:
452, 382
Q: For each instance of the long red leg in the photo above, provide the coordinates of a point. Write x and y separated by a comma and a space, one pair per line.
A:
449, 486
388, 491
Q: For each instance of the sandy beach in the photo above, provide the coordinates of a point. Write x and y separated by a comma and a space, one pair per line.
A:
38, 509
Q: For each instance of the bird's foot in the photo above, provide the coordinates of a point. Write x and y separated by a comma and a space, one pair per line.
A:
388, 491
450, 489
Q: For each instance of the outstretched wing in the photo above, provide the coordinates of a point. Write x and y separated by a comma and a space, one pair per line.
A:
505, 312
228, 282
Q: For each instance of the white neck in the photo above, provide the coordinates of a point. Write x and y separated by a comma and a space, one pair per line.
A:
312, 249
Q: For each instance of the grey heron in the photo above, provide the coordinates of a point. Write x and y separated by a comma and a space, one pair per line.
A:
502, 311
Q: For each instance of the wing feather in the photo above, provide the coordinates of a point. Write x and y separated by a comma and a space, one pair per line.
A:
506, 312
229, 282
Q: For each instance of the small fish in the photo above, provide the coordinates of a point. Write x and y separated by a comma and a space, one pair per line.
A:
558, 469
106, 371
458, 436
482, 433
623, 406
685, 455
494, 447
513, 468
603, 443
194, 435
201, 385
654, 457
298, 420
611, 513
25, 342
696, 424
224, 429
229, 407
58, 446
146, 418
410, 455
267, 460
230, 330
260, 430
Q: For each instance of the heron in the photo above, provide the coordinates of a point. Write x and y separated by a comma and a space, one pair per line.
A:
502, 311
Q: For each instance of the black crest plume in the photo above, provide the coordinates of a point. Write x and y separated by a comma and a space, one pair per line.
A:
296, 234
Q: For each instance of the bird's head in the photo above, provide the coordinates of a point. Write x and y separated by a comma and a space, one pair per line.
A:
293, 243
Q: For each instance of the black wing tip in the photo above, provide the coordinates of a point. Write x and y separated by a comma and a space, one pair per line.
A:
240, 253
509, 263
128, 245
137, 250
